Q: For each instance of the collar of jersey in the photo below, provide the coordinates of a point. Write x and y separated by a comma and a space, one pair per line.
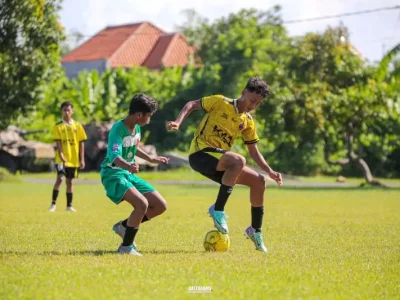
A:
234, 103
126, 128
66, 123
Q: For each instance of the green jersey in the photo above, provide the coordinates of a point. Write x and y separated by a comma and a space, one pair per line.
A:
121, 143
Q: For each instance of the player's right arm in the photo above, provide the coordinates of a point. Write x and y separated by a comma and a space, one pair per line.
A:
59, 150
58, 140
185, 112
123, 164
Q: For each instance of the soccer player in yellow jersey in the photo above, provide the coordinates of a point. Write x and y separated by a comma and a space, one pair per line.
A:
210, 154
69, 136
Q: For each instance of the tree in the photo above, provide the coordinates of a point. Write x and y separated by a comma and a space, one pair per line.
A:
389, 73
73, 40
336, 105
232, 49
383, 69
30, 35
241, 45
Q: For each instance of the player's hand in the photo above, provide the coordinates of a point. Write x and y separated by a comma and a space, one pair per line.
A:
172, 125
82, 165
160, 159
277, 177
133, 168
64, 161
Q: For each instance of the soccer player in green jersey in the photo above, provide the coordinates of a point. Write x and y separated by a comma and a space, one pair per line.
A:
118, 172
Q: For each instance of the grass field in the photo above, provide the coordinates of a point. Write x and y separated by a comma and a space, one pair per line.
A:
323, 244
185, 174
176, 174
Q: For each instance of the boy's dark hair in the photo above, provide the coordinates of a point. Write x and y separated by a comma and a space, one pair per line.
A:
258, 86
141, 103
65, 104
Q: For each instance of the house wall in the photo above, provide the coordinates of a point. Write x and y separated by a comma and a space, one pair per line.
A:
72, 69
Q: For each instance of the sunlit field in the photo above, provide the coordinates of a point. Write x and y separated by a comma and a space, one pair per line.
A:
322, 244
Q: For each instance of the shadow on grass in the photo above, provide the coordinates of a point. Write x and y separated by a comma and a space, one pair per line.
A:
91, 252
59, 253
169, 251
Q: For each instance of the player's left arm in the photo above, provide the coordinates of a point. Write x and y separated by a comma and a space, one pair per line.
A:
140, 153
82, 154
261, 162
251, 138
81, 137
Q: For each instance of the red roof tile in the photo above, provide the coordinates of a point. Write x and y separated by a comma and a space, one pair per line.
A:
137, 48
141, 44
171, 50
103, 45
178, 52
154, 60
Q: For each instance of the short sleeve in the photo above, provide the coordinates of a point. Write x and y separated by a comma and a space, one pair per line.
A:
114, 148
249, 133
211, 102
56, 133
81, 133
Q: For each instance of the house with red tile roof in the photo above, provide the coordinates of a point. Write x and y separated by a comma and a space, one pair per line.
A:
130, 45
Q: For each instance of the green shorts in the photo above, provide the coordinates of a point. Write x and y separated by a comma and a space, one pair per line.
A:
117, 182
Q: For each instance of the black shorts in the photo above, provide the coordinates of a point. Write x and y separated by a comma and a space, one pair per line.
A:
206, 164
68, 172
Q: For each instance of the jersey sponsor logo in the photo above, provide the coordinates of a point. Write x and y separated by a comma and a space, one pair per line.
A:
115, 147
225, 116
130, 154
225, 137
68, 141
130, 141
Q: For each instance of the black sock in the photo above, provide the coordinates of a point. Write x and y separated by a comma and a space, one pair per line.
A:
69, 199
125, 222
54, 197
257, 214
129, 237
223, 195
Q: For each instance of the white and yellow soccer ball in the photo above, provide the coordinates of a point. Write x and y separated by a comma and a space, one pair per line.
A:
216, 241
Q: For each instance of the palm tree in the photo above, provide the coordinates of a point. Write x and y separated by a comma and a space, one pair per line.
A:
383, 69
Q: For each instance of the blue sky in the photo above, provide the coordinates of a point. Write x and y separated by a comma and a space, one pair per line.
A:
371, 34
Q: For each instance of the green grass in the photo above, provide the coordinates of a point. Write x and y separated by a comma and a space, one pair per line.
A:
337, 244
6, 176
348, 179
185, 173
175, 174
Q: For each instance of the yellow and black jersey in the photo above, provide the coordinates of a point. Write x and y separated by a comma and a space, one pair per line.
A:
222, 125
70, 135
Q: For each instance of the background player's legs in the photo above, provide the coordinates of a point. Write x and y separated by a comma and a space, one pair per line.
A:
56, 190
69, 194
256, 182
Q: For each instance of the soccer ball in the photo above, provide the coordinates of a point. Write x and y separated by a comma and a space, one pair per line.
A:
216, 241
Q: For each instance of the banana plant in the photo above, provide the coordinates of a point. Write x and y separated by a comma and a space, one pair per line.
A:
87, 95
